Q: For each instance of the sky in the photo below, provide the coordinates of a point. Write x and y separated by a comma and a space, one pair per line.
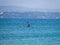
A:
39, 4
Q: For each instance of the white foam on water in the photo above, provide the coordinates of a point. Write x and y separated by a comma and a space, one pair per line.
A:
57, 17
43, 17
1, 12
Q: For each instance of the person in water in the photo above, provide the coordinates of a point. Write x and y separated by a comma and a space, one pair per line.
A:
28, 25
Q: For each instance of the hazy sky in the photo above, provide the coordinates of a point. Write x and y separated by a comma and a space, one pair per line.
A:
44, 4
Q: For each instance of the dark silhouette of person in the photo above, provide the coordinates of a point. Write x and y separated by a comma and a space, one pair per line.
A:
28, 24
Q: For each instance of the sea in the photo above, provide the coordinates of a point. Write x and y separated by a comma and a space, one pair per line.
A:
15, 31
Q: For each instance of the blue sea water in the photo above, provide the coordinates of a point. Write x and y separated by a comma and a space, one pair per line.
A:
15, 31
